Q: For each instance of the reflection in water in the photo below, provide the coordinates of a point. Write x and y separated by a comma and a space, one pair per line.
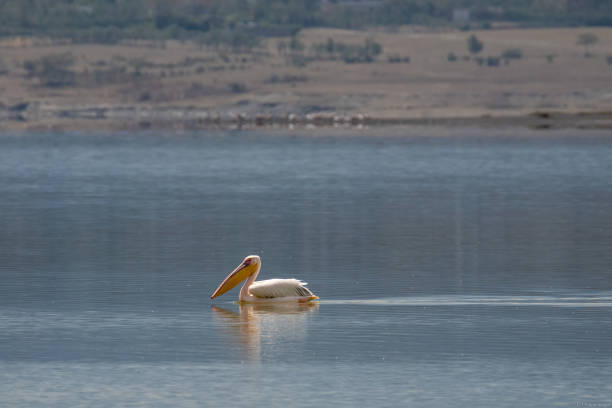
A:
272, 324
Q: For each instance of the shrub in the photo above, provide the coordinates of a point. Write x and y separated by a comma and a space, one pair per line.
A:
112, 75
296, 45
52, 70
474, 44
587, 39
195, 90
237, 87
329, 46
353, 53
140, 63
58, 78
298, 60
451, 57
144, 96
30, 68
493, 61
276, 79
372, 47
396, 59
512, 53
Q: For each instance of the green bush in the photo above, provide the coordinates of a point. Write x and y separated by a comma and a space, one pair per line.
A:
3, 68
298, 60
296, 45
237, 87
52, 70
512, 53
352, 53
587, 39
276, 79
372, 47
474, 44
111, 75
397, 59
144, 96
493, 61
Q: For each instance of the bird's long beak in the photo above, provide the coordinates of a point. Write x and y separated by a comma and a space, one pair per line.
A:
238, 275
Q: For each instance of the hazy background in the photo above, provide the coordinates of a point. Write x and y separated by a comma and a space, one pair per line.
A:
246, 22
193, 64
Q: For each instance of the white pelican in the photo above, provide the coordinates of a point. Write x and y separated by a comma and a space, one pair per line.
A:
271, 290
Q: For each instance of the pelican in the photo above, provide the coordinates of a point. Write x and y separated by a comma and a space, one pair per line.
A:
271, 290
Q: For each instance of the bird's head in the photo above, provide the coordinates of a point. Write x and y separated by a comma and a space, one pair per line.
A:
247, 267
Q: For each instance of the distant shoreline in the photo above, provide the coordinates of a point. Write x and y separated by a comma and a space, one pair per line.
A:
26, 117
420, 78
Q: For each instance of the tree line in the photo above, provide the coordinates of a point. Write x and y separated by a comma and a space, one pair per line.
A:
243, 22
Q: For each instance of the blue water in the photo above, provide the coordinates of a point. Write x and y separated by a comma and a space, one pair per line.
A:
467, 267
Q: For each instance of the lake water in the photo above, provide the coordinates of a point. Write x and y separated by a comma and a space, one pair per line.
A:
456, 268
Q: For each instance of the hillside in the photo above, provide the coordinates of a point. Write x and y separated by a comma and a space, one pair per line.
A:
418, 73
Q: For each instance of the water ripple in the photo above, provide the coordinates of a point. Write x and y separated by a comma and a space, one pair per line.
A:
462, 300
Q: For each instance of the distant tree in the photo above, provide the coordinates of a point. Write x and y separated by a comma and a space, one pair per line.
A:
52, 70
237, 87
329, 46
587, 39
296, 45
512, 53
214, 21
372, 47
493, 61
474, 44
3, 68
397, 59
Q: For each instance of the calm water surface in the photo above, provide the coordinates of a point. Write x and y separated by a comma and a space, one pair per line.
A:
456, 268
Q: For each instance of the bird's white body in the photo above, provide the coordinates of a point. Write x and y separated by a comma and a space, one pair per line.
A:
270, 290
277, 288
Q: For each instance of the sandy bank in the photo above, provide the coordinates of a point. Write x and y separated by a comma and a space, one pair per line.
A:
36, 117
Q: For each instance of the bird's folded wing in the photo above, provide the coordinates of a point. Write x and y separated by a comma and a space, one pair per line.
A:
274, 288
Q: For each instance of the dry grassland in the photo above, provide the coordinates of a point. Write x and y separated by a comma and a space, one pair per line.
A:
553, 75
